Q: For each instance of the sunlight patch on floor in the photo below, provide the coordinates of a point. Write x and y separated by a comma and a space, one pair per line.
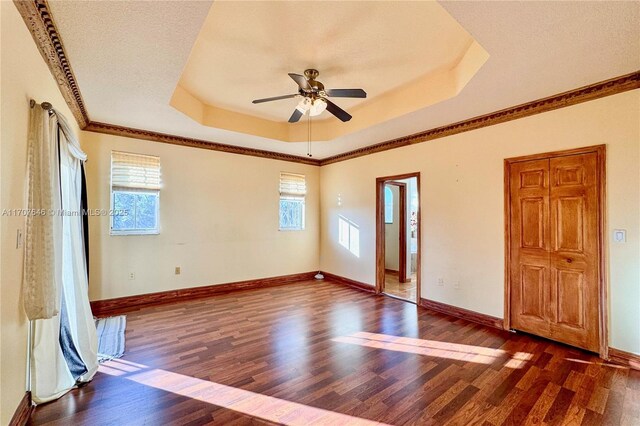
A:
518, 360
243, 401
111, 371
603, 364
438, 349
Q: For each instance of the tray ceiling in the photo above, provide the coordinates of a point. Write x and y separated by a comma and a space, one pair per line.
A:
131, 58
406, 55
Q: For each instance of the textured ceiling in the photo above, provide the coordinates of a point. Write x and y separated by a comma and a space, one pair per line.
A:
240, 56
128, 58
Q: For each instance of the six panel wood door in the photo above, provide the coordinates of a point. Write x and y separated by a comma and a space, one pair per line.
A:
554, 248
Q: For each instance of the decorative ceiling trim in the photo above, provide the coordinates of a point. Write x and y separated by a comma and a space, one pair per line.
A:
39, 20
572, 97
436, 86
129, 132
37, 17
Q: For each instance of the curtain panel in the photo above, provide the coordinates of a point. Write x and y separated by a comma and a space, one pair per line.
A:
63, 350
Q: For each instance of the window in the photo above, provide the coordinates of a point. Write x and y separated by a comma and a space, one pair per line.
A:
388, 205
135, 194
293, 189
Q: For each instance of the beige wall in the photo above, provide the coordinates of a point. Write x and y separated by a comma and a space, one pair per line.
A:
462, 205
219, 212
22, 79
218, 220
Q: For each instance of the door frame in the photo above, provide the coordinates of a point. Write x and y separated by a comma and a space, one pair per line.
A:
380, 260
600, 151
402, 225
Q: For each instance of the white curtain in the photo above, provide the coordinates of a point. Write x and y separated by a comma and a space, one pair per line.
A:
40, 287
64, 346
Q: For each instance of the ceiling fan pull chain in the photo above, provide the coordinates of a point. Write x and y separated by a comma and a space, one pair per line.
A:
309, 135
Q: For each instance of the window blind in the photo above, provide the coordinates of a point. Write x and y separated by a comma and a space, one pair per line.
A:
292, 185
135, 171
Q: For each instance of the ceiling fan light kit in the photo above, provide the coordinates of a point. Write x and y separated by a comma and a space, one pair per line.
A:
314, 97
318, 106
313, 106
304, 105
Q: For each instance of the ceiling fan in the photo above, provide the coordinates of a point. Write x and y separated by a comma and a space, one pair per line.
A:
314, 97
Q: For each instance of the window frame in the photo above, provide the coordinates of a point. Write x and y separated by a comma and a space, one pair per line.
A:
290, 197
134, 231
303, 202
388, 221
131, 190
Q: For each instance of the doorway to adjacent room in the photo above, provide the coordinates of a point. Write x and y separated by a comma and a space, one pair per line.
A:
398, 236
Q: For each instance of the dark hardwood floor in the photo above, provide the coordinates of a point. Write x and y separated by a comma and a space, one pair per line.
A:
321, 353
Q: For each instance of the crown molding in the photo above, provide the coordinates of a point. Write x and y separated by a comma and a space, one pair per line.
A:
39, 20
37, 16
590, 92
129, 132
572, 97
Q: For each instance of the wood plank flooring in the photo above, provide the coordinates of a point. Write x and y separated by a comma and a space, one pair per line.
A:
321, 353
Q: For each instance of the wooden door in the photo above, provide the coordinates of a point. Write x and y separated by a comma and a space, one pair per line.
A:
530, 240
574, 253
555, 256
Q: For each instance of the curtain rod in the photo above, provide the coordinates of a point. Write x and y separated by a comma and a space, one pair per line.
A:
45, 105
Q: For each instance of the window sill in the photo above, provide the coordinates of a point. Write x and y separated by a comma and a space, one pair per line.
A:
127, 233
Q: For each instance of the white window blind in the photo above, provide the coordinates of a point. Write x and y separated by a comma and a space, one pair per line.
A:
292, 185
135, 171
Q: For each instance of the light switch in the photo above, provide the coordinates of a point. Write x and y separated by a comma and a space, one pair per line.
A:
620, 235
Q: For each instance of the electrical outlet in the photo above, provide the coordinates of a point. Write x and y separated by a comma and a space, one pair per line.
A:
177, 270
441, 282
132, 275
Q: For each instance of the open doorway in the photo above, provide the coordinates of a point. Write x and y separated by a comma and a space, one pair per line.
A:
398, 236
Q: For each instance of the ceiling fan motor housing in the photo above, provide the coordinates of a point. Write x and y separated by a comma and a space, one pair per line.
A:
311, 75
